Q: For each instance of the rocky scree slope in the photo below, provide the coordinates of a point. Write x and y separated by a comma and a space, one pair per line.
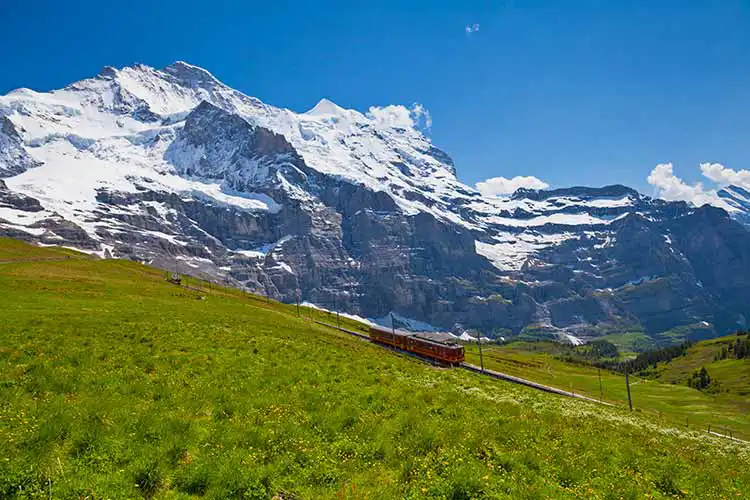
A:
357, 211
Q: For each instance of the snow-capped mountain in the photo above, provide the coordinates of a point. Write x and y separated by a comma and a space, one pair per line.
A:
738, 201
359, 211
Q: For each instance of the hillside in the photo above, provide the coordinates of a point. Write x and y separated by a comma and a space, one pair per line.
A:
357, 211
731, 376
117, 384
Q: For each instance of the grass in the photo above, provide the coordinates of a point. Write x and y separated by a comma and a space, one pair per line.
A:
13, 250
672, 402
733, 375
116, 384
631, 342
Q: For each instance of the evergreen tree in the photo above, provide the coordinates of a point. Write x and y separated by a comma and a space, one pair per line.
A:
700, 379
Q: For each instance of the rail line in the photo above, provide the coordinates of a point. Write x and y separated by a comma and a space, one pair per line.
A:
529, 383
350, 332
489, 373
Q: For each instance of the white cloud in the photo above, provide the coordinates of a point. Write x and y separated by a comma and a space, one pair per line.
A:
500, 186
725, 176
471, 28
398, 116
421, 115
391, 116
672, 188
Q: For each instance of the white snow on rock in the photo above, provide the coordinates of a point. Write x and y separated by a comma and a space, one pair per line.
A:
111, 133
467, 337
573, 339
509, 251
89, 137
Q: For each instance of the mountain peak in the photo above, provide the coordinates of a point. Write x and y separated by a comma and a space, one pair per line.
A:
108, 72
326, 107
189, 73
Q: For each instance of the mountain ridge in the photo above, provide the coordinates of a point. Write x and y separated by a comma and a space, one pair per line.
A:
355, 210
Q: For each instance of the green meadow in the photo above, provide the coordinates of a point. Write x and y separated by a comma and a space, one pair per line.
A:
117, 384
667, 399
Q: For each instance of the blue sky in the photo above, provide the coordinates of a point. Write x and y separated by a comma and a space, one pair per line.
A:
572, 92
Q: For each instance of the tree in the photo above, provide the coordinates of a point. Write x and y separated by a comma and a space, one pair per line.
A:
603, 349
700, 379
652, 358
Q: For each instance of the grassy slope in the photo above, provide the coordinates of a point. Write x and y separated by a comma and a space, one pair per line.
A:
14, 250
674, 403
116, 384
732, 374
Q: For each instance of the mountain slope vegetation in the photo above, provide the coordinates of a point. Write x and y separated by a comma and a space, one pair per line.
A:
115, 383
724, 358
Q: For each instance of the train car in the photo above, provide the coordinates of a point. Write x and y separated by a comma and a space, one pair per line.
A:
387, 336
449, 353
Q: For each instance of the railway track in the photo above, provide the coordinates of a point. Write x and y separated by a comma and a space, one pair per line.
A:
350, 332
529, 383
489, 373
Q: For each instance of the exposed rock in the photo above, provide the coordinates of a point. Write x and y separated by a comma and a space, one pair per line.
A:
14, 159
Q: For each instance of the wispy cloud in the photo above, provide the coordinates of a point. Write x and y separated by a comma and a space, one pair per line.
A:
500, 186
471, 28
421, 115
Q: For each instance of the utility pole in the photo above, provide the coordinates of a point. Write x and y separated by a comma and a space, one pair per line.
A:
481, 357
601, 389
297, 294
393, 323
336, 308
627, 383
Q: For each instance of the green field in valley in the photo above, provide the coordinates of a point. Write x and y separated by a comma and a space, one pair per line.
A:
117, 384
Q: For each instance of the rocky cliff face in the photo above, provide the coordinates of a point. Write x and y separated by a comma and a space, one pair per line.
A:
14, 159
358, 212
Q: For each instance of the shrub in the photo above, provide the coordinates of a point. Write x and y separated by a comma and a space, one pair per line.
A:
149, 480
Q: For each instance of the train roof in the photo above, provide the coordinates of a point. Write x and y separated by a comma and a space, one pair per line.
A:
436, 338
439, 337
385, 329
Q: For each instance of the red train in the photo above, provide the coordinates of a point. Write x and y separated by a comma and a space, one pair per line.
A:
445, 352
